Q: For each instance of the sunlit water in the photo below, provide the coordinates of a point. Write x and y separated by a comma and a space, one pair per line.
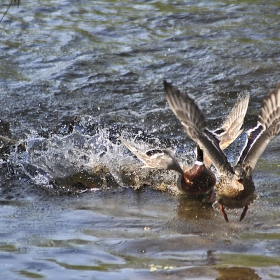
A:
76, 203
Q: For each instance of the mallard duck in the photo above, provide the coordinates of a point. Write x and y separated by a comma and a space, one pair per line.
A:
198, 179
235, 188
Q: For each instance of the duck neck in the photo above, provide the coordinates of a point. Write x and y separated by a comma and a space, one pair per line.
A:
199, 154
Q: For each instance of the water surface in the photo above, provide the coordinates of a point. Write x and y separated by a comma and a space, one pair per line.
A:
76, 204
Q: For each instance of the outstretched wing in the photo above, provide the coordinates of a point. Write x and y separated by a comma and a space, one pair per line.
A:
194, 124
232, 127
155, 158
268, 126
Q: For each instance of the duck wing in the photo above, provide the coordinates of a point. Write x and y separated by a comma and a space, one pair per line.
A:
155, 158
232, 127
268, 126
194, 125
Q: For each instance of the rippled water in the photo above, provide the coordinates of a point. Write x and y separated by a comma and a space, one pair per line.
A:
76, 204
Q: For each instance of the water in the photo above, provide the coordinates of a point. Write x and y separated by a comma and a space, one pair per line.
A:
78, 205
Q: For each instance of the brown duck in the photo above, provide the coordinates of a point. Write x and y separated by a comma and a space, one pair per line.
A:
235, 188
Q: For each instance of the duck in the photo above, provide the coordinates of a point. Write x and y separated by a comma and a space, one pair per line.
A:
198, 179
235, 188
189, 180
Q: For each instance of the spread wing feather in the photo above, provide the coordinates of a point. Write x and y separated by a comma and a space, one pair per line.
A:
194, 124
268, 126
232, 126
155, 158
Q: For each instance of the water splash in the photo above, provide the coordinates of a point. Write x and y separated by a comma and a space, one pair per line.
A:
89, 158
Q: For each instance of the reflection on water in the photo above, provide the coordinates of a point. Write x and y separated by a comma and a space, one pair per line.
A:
237, 273
124, 230
78, 204
194, 209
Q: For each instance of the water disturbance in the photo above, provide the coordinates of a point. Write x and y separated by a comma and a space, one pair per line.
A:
77, 75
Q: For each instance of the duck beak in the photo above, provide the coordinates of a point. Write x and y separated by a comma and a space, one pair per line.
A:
222, 209
244, 213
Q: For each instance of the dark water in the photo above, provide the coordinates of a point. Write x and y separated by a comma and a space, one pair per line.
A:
78, 205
